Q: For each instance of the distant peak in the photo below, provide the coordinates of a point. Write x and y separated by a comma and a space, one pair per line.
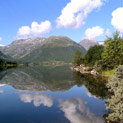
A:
89, 40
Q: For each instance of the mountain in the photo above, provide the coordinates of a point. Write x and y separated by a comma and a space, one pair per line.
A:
86, 43
2, 56
20, 48
54, 48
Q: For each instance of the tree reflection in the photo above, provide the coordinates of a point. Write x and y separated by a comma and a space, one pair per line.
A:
95, 84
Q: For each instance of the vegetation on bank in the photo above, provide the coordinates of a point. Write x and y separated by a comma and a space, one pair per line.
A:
103, 59
108, 72
115, 99
107, 59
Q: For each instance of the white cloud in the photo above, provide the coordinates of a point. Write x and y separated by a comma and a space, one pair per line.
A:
94, 32
1, 45
35, 29
0, 38
37, 98
76, 111
24, 30
117, 19
75, 12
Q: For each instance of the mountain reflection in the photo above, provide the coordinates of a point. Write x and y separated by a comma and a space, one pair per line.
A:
37, 98
75, 111
41, 78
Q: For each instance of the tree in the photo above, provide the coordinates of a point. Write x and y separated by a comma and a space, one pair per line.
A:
115, 100
113, 52
93, 55
77, 58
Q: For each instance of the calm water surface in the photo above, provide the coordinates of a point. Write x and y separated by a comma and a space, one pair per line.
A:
50, 95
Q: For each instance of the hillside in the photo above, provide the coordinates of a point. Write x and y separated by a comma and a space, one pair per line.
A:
86, 43
54, 48
2, 55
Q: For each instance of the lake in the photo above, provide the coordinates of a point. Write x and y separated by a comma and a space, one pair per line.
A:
51, 95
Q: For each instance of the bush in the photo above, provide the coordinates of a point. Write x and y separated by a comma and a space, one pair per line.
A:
115, 101
113, 51
93, 55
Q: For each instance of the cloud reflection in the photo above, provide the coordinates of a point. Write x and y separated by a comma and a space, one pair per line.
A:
76, 111
2, 85
1, 91
90, 95
37, 98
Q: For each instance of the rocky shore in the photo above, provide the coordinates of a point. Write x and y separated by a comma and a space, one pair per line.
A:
85, 70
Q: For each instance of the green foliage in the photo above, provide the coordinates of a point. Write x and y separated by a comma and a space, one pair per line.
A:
105, 57
77, 58
93, 55
110, 73
113, 53
115, 101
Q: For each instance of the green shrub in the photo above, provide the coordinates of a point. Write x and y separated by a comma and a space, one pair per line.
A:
115, 100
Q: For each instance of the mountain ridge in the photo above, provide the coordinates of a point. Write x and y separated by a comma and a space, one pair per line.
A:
58, 48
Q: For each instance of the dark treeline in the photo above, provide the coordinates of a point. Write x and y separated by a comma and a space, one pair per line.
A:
7, 64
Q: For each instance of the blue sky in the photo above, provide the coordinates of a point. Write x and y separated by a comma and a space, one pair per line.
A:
59, 17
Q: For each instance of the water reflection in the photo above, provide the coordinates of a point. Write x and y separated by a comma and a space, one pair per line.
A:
37, 99
50, 94
2, 85
39, 78
75, 111
1, 91
54, 79
95, 84
90, 95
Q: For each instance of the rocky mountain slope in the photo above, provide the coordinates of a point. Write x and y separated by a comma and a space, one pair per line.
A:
54, 48
86, 43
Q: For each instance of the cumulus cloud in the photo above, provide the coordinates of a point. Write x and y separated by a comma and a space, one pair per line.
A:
37, 98
1, 45
75, 12
35, 29
0, 38
117, 19
76, 111
94, 32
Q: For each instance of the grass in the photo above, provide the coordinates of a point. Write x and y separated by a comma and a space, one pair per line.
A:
109, 73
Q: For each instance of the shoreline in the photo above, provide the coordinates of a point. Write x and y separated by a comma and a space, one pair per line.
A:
88, 70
